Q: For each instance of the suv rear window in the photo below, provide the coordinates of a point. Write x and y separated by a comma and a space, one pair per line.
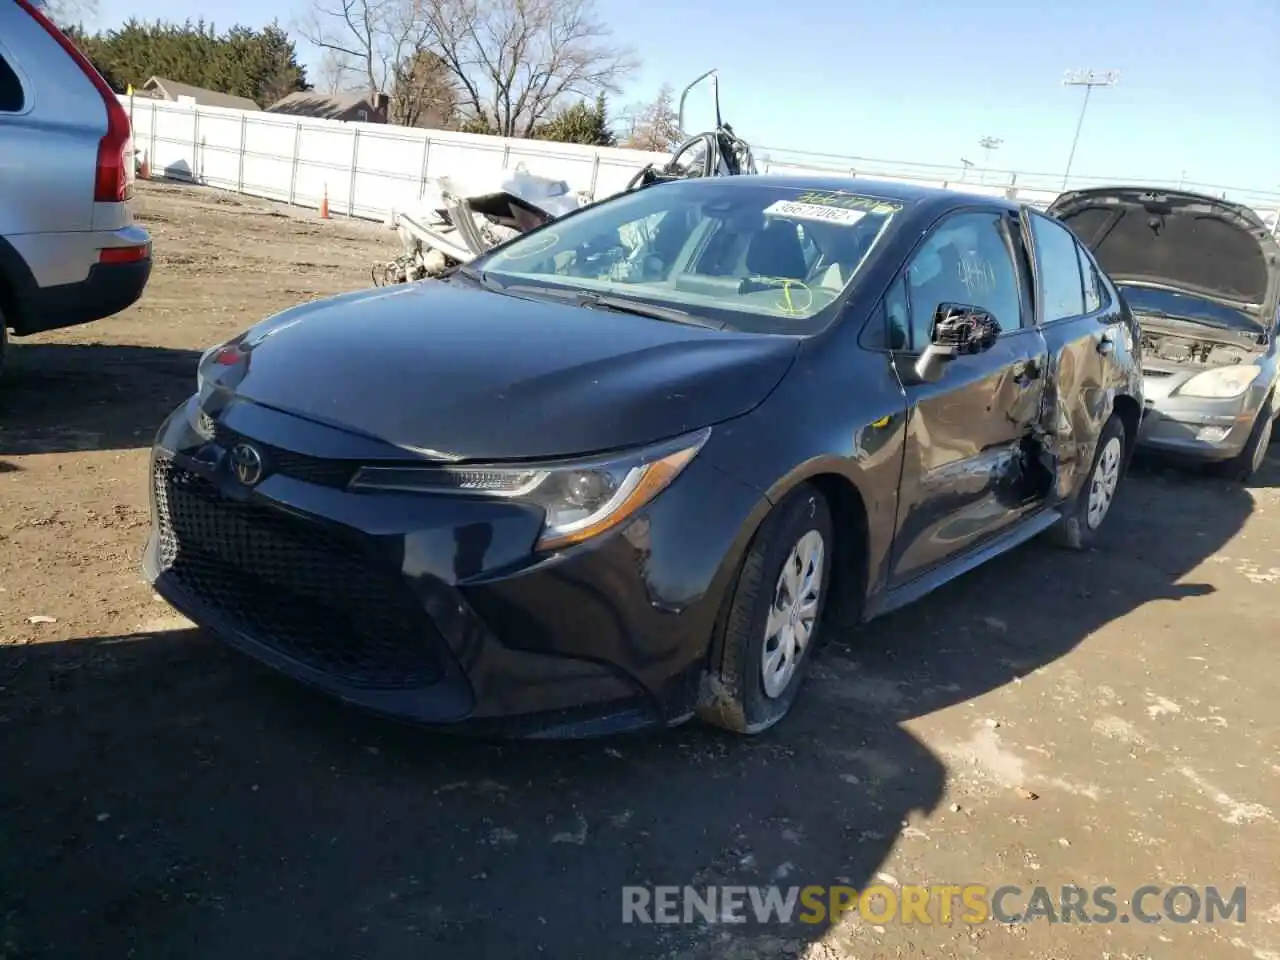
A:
10, 89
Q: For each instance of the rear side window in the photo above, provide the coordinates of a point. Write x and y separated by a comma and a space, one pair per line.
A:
1057, 255
10, 89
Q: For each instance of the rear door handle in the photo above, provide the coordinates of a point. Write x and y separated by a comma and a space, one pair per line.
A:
1106, 344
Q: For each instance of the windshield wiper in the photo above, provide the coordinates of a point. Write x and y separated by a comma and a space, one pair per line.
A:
638, 308
1176, 318
475, 276
1213, 324
596, 301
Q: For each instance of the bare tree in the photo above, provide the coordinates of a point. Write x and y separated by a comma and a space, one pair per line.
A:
369, 38
422, 92
334, 73
511, 63
515, 61
655, 126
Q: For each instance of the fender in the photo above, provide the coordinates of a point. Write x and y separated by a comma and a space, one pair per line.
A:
860, 576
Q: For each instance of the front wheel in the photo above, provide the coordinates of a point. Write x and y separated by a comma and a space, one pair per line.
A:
1082, 518
773, 621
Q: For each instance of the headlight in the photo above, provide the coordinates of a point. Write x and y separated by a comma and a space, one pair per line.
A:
223, 355
1221, 383
581, 499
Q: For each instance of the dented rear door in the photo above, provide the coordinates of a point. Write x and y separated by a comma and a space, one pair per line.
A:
1083, 323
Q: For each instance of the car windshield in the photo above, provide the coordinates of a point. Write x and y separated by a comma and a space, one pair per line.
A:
1187, 306
751, 256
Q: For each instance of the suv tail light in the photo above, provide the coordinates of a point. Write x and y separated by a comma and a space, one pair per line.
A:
113, 178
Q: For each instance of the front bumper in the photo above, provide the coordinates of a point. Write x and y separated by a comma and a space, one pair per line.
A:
1196, 428
433, 609
1195, 436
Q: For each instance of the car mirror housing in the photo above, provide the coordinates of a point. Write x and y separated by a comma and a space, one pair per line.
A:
967, 328
958, 330
932, 362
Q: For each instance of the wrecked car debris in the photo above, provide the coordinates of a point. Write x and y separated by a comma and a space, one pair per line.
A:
452, 224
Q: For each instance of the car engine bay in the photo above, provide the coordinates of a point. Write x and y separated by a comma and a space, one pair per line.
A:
1186, 351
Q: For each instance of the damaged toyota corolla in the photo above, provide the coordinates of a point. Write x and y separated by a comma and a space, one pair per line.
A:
625, 469
1202, 276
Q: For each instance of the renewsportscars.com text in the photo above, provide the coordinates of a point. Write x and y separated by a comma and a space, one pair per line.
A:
935, 904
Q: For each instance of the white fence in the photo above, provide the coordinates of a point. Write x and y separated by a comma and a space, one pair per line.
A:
366, 169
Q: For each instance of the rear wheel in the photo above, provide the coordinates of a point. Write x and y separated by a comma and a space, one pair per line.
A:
1083, 518
1249, 460
774, 617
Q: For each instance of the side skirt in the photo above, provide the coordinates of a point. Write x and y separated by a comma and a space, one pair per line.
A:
926, 583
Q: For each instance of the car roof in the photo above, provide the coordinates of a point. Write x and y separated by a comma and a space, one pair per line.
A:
907, 193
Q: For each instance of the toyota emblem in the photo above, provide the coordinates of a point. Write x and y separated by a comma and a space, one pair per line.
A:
246, 464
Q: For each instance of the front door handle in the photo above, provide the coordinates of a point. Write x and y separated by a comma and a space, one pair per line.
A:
1106, 344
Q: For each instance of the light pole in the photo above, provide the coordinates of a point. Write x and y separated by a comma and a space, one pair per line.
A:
987, 144
1087, 79
964, 168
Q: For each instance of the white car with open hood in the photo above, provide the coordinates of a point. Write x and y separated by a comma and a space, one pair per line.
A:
1202, 275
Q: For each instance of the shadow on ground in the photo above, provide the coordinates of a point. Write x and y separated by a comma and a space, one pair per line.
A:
63, 397
164, 797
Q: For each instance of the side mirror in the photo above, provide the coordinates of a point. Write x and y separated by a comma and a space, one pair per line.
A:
958, 330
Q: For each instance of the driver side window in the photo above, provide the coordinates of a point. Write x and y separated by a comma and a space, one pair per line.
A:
965, 261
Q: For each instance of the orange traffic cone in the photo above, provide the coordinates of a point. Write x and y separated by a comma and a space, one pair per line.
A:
144, 171
324, 204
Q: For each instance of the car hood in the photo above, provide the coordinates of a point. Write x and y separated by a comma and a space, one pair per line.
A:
455, 372
1178, 240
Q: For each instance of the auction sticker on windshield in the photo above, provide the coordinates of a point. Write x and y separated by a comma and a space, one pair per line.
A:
814, 211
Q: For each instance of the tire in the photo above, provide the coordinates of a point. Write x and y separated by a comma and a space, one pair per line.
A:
1083, 518
1249, 460
739, 692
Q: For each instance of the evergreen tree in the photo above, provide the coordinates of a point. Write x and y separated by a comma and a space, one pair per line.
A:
259, 64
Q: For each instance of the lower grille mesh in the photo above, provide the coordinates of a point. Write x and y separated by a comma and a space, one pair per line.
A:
291, 585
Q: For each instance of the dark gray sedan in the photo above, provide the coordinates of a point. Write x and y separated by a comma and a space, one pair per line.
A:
623, 468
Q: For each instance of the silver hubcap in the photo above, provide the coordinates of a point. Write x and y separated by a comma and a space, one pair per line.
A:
1264, 441
1106, 477
793, 614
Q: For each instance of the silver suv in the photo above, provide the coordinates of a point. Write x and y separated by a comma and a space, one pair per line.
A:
70, 252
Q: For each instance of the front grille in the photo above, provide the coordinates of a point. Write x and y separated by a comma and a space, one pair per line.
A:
299, 466
312, 594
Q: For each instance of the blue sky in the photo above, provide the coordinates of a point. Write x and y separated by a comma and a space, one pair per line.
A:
923, 80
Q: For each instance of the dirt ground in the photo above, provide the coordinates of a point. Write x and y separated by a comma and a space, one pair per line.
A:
1054, 718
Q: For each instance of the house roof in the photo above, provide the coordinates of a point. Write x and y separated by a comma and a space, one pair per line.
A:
312, 103
172, 90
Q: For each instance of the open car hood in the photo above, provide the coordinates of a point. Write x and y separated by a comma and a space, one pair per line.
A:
1187, 241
